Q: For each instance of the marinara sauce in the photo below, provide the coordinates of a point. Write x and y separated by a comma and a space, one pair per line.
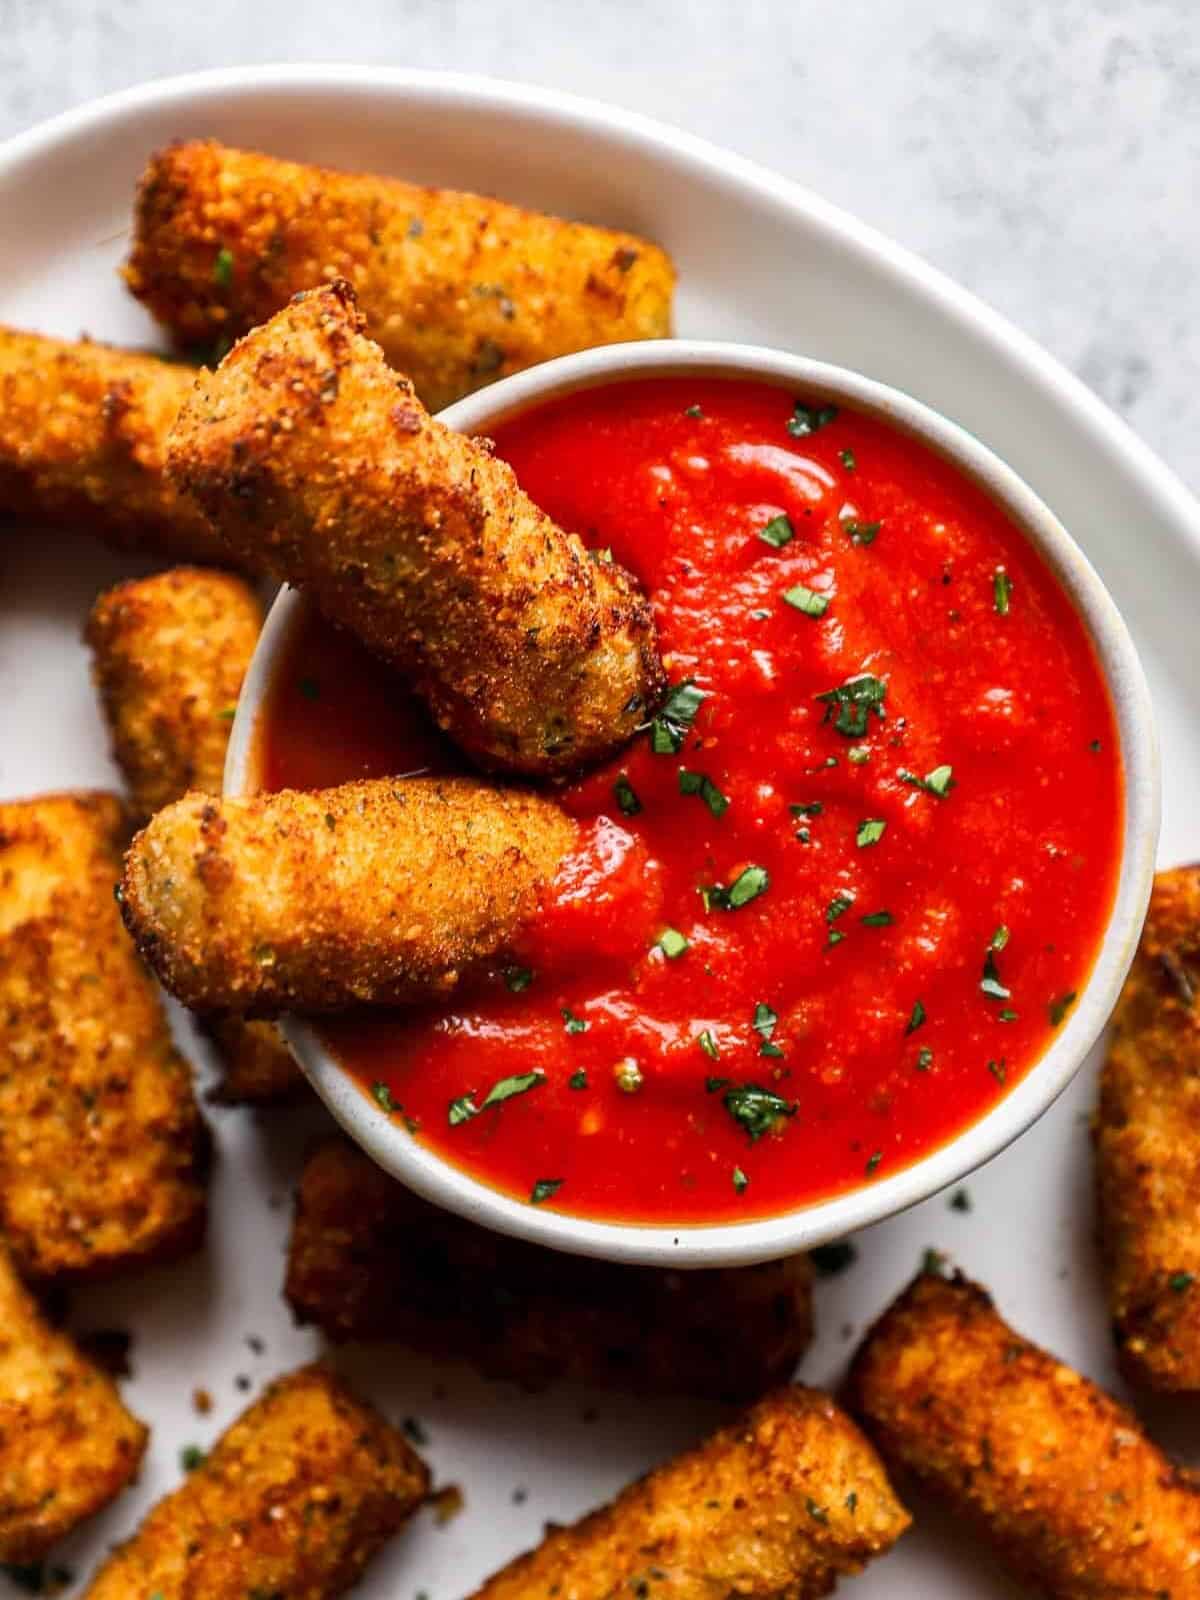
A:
834, 900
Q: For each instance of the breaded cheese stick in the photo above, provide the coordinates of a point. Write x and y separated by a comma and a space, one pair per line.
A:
1054, 1474
459, 289
319, 466
101, 1142
83, 429
293, 1500
776, 1506
67, 1444
368, 1260
373, 893
1147, 1140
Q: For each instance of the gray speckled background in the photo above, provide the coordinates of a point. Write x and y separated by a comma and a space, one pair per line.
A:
1045, 154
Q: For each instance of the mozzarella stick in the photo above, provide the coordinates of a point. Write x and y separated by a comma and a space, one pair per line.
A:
776, 1506
368, 1260
83, 431
459, 290
1057, 1477
293, 1500
321, 467
373, 893
67, 1444
101, 1142
1147, 1140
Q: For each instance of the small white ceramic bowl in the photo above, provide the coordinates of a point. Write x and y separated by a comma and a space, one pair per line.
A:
732, 1243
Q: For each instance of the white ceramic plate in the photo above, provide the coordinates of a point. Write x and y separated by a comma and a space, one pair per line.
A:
761, 261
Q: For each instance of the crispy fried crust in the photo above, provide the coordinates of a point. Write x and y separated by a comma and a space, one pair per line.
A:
1057, 1476
368, 1260
1147, 1140
67, 1444
168, 655
459, 290
321, 467
257, 1067
294, 1499
777, 1506
101, 1142
82, 434
373, 893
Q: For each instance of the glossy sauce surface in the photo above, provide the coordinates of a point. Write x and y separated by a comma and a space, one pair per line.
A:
834, 902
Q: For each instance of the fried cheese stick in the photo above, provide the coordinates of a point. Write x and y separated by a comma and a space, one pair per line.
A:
368, 1260
776, 1506
67, 1444
459, 289
101, 1142
83, 430
1147, 1141
1054, 1474
294, 1499
373, 893
319, 466
169, 654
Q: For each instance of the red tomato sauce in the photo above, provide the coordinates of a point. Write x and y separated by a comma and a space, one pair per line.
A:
835, 924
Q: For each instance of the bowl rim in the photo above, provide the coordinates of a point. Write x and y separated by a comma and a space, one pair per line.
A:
764, 1238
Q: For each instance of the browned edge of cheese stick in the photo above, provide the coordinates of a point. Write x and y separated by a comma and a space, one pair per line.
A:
1147, 1144
102, 1147
776, 1506
1057, 1477
83, 431
458, 289
320, 467
374, 893
294, 1499
68, 1446
169, 654
368, 1260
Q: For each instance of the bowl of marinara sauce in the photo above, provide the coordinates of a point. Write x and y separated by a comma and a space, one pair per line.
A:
848, 914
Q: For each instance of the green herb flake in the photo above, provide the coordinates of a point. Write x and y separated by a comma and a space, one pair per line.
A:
672, 943
861, 533
805, 600
627, 801
816, 1512
573, 1023
544, 1189
873, 1161
748, 885
836, 936
807, 808
830, 1259
838, 906
809, 419
1057, 1009
756, 1109
933, 1264
309, 688
693, 411
191, 1457
764, 1023
517, 979
924, 1059
464, 1108
938, 782
960, 1200
848, 459
1180, 1282
1002, 588
999, 1070
990, 983
578, 1079
700, 783
870, 832
777, 532
223, 268
382, 1096
877, 919
858, 755
740, 1181
853, 702
670, 727
1007, 1015
709, 1045
226, 713
1000, 938
852, 1502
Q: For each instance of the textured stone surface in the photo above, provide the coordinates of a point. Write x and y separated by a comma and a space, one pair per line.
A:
1045, 154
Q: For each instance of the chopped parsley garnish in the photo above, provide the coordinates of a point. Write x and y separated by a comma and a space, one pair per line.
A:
669, 728
835, 937
764, 1025
777, 532
517, 978
757, 1109
999, 1070
740, 1181
382, 1096
709, 1045
924, 1059
918, 1016
816, 1512
1057, 1009
808, 601
578, 1079
700, 783
939, 782
860, 533
573, 1023
809, 419
870, 832
807, 808
1002, 587
464, 1108
858, 755
1180, 1282
852, 1502
873, 1161
933, 1263
990, 982
877, 919
853, 702
960, 1200
672, 943
838, 906
1007, 1016
226, 713
693, 411
544, 1189
1001, 937
747, 886
830, 1259
223, 268
848, 459
191, 1457
627, 800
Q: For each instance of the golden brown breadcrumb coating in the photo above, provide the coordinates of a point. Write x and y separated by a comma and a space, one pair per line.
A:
776, 1506
292, 1501
1147, 1138
67, 1444
101, 1142
257, 1068
373, 893
458, 289
83, 429
1057, 1477
319, 466
368, 1260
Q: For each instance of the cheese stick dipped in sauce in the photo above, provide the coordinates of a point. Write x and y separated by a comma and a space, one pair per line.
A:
776, 1506
83, 431
374, 893
458, 289
1147, 1138
1057, 1477
321, 467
